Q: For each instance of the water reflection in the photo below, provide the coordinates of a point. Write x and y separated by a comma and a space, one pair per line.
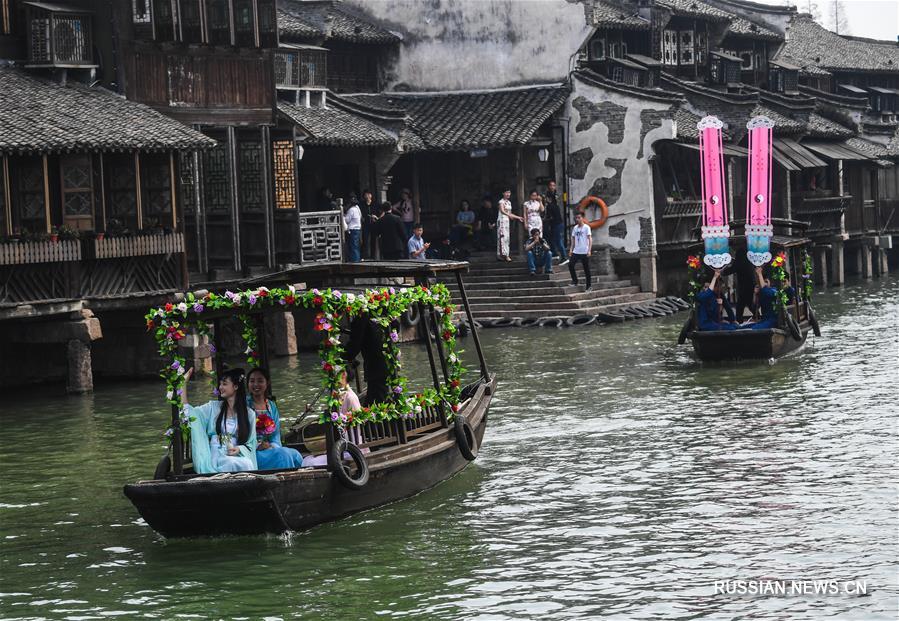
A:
619, 479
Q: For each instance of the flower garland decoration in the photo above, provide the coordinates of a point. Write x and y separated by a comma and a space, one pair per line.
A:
806, 275
694, 272
170, 323
779, 274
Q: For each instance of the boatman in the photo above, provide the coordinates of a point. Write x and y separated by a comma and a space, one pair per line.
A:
708, 312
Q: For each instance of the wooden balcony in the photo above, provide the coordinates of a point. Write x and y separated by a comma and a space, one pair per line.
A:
824, 213
141, 246
23, 253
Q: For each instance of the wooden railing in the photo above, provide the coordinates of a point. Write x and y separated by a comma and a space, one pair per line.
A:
824, 213
23, 253
140, 246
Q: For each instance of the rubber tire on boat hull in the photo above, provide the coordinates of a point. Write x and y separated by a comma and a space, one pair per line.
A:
680, 303
611, 317
813, 320
526, 322
655, 312
163, 468
550, 322
662, 302
580, 320
337, 450
486, 323
504, 322
632, 312
682, 337
793, 327
411, 317
465, 438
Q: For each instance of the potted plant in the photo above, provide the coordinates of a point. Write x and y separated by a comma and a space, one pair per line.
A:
54, 234
100, 235
67, 232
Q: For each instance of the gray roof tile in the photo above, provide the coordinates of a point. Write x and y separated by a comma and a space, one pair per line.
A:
327, 20
817, 50
335, 127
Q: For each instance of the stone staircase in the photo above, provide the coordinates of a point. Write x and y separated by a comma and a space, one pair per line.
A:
498, 289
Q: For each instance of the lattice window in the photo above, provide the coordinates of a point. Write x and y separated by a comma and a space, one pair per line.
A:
669, 47
140, 12
284, 166
30, 194
216, 179
252, 181
39, 42
186, 178
321, 238
244, 23
164, 20
155, 178
121, 204
268, 23
191, 22
218, 18
597, 50
77, 191
701, 47
284, 69
618, 74
685, 42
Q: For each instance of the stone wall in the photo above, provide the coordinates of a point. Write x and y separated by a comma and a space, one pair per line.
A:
610, 140
473, 44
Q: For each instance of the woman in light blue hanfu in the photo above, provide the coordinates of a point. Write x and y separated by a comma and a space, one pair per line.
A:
223, 432
270, 455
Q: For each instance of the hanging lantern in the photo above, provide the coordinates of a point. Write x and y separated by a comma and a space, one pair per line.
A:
715, 230
758, 196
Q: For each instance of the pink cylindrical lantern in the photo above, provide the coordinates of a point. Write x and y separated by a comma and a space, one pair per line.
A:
715, 230
758, 195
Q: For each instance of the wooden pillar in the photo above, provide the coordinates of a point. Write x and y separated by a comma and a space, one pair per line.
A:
7, 195
838, 263
102, 159
416, 188
200, 214
233, 170
48, 224
173, 189
819, 257
864, 252
514, 240
138, 192
269, 189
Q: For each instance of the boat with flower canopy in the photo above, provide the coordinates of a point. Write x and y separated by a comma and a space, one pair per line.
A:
796, 318
399, 447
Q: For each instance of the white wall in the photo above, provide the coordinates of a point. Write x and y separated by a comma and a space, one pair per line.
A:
636, 199
474, 44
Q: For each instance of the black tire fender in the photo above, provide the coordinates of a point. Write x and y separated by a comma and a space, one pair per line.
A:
550, 322
792, 326
632, 312
163, 467
654, 311
505, 322
411, 317
341, 472
465, 438
679, 302
462, 328
611, 317
669, 306
813, 320
485, 323
682, 337
580, 320
526, 322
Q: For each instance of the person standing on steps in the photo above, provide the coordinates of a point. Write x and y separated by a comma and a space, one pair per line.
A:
555, 223
391, 233
504, 215
581, 246
405, 209
352, 221
533, 212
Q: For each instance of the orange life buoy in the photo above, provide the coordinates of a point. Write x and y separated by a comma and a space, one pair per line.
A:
598, 202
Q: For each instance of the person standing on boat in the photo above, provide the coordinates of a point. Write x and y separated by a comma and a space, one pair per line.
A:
504, 215
270, 455
708, 311
223, 431
581, 247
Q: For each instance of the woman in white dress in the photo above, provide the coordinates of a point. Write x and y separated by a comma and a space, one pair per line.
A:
504, 214
533, 212
223, 431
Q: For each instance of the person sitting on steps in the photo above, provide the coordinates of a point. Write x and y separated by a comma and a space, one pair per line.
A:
538, 253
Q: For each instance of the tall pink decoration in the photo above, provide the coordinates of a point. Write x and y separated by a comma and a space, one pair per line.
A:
715, 231
758, 195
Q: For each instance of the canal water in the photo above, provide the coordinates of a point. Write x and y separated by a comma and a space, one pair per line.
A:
619, 479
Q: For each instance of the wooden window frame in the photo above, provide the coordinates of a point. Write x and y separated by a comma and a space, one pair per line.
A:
89, 190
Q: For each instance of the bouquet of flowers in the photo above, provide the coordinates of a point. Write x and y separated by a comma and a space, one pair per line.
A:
265, 428
225, 442
694, 272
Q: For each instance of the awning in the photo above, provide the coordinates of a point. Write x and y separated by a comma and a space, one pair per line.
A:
837, 151
854, 89
729, 149
793, 156
882, 91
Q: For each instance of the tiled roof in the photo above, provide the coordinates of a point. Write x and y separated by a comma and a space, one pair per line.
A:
325, 19
695, 8
822, 127
462, 120
41, 116
746, 28
686, 126
782, 124
335, 127
816, 49
874, 149
608, 15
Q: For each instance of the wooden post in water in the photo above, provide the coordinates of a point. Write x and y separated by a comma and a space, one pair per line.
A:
471, 326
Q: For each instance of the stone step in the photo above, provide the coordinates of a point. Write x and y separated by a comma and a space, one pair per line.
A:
540, 287
552, 298
616, 303
557, 275
569, 307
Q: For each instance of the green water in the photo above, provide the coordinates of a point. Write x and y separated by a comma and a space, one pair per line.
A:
619, 479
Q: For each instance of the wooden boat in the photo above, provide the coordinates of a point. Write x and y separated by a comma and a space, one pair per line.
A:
404, 457
794, 322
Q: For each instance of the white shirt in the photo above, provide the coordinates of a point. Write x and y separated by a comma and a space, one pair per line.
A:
582, 236
353, 218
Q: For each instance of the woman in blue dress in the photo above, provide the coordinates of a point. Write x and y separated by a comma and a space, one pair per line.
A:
223, 431
270, 455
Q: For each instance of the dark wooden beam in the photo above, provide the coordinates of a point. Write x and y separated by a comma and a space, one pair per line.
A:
233, 169
269, 191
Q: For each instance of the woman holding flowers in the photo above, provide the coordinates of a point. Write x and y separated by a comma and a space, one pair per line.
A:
223, 431
270, 455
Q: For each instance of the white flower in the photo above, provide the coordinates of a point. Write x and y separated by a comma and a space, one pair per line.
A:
292, 289
350, 297
182, 307
168, 395
248, 350
181, 370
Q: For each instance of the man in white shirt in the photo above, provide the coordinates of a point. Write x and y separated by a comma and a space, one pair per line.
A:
581, 246
353, 221
417, 247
